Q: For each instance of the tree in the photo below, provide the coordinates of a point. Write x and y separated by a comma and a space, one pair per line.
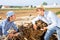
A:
44, 3
0, 6
31, 6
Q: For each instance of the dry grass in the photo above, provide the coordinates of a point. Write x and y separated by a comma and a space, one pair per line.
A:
58, 15
24, 12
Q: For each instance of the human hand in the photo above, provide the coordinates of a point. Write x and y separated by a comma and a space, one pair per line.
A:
10, 35
45, 28
35, 27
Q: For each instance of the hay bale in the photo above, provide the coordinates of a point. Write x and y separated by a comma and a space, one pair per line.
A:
28, 33
40, 24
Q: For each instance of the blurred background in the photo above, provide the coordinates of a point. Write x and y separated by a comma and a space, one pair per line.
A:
25, 9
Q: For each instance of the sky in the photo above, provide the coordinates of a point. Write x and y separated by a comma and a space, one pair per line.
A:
27, 2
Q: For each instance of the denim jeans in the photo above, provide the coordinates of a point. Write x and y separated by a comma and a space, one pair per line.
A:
51, 31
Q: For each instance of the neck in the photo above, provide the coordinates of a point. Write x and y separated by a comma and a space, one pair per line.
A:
9, 20
41, 15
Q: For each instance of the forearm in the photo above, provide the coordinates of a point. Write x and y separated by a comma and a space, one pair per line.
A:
35, 27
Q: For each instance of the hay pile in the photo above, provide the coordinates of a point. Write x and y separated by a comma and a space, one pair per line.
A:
28, 33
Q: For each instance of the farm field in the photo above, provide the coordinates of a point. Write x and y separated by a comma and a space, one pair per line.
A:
24, 12
25, 15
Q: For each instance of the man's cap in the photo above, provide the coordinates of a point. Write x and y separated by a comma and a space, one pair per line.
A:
9, 13
41, 7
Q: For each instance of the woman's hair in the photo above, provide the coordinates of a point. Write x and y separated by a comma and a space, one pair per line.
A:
42, 9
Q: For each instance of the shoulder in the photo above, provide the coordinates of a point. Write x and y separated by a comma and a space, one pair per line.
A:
50, 13
4, 21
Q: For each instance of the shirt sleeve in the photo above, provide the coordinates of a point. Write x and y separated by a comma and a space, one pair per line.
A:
35, 19
53, 19
15, 27
44, 20
59, 22
3, 30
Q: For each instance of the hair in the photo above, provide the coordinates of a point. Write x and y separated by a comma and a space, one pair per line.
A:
42, 9
9, 18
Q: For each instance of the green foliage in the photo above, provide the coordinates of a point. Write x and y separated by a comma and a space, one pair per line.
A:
16, 6
44, 3
0, 6
58, 12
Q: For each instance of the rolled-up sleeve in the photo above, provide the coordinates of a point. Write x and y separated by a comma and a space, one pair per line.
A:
35, 19
15, 27
53, 19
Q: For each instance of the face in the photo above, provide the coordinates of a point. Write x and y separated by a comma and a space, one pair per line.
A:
40, 12
13, 17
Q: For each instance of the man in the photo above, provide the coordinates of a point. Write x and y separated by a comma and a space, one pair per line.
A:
9, 23
51, 19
